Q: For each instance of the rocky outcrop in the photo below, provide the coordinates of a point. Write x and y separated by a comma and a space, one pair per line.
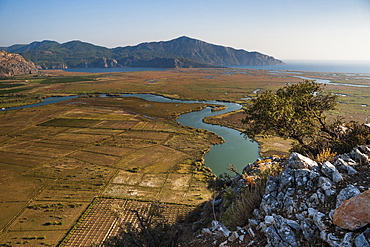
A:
51, 66
102, 62
13, 64
311, 204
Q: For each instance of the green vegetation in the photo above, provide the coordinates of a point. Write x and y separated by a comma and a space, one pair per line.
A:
237, 207
298, 112
295, 111
68, 122
14, 90
241, 209
183, 52
53, 80
3, 85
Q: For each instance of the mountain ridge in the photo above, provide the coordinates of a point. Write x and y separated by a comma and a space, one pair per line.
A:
181, 52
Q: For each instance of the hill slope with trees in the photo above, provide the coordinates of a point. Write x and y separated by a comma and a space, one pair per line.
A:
182, 52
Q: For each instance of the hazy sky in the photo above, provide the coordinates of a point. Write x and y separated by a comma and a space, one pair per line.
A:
285, 29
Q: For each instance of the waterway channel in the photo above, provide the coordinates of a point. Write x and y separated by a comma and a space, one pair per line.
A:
237, 149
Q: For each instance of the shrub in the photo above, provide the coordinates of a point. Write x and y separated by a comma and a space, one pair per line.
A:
241, 210
325, 155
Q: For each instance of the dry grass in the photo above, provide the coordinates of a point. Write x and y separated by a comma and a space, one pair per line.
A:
70, 153
324, 155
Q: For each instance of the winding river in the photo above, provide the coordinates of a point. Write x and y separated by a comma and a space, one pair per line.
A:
237, 149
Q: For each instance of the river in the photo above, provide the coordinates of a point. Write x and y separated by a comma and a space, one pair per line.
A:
237, 149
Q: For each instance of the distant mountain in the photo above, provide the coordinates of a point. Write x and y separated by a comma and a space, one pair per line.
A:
12, 64
183, 52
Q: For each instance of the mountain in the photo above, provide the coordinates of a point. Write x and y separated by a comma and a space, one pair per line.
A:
12, 64
183, 52
200, 51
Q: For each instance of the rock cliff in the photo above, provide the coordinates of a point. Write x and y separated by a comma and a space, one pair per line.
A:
308, 204
13, 64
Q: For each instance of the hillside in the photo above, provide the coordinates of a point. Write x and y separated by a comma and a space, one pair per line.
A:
183, 52
309, 203
13, 64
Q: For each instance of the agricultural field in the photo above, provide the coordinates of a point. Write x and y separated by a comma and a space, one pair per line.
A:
63, 166
56, 160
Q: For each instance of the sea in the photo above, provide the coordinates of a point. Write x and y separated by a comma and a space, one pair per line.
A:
108, 70
356, 67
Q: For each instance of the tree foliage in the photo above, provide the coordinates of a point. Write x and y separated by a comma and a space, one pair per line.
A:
294, 111
297, 112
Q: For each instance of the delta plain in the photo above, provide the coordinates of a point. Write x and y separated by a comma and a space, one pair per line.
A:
66, 166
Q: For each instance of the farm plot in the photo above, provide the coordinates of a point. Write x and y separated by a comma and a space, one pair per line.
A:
188, 143
98, 114
33, 149
43, 223
164, 187
166, 162
53, 167
151, 135
116, 124
104, 217
65, 195
150, 156
48, 216
125, 142
78, 139
33, 133
26, 160
108, 150
95, 158
70, 122
132, 192
154, 126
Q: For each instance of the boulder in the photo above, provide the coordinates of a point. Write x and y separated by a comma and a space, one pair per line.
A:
219, 230
361, 240
326, 185
331, 172
353, 213
347, 193
358, 155
340, 163
298, 161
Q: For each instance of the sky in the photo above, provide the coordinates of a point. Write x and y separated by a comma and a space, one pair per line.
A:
286, 29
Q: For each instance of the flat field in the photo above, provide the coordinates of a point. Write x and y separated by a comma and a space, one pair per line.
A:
56, 159
63, 165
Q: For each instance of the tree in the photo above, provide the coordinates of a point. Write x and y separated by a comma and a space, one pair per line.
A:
295, 111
